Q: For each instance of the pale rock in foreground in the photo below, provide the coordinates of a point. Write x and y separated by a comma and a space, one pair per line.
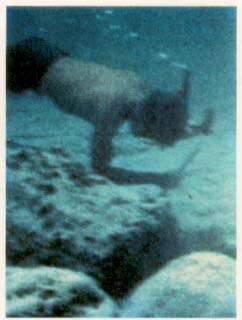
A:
60, 215
49, 292
198, 285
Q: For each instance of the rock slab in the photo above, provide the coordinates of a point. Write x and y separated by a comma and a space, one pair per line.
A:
54, 292
198, 285
62, 216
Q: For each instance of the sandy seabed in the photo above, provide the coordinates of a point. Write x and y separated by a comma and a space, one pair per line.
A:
114, 244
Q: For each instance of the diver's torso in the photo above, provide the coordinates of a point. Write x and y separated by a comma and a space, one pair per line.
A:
88, 89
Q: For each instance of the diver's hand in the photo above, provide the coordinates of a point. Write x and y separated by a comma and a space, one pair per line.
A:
205, 127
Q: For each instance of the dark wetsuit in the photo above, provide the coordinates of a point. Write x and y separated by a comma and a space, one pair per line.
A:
28, 61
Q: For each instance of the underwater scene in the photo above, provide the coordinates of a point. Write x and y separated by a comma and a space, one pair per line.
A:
121, 162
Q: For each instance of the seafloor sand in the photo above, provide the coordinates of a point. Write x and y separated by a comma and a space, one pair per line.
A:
60, 214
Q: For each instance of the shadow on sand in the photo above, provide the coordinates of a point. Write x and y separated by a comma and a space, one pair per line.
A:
167, 180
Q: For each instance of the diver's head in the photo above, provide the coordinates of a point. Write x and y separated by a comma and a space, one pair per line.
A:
164, 118
27, 62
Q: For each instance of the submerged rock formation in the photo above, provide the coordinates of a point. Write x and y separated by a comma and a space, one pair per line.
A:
200, 285
58, 215
54, 292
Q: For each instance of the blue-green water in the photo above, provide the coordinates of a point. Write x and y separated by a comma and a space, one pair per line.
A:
145, 40
132, 38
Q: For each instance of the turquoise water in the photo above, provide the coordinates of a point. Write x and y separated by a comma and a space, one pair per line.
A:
145, 40
136, 39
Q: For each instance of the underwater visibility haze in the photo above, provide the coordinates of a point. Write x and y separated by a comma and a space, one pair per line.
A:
157, 237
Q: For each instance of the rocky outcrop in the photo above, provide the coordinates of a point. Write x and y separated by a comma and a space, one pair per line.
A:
59, 215
54, 292
200, 285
